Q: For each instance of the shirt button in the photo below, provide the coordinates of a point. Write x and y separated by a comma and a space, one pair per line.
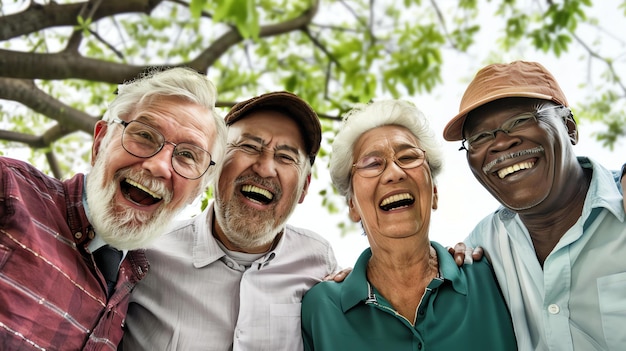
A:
554, 309
229, 264
78, 235
419, 346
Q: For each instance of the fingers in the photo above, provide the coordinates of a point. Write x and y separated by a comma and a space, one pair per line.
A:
465, 255
478, 253
339, 276
623, 181
460, 255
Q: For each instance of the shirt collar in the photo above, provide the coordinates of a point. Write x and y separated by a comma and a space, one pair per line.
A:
604, 192
355, 287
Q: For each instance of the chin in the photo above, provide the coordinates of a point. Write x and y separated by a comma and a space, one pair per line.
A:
123, 227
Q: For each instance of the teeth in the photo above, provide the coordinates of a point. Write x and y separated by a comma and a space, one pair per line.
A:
396, 198
137, 185
256, 189
514, 168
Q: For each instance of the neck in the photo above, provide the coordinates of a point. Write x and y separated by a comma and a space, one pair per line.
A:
403, 281
547, 226
422, 263
220, 235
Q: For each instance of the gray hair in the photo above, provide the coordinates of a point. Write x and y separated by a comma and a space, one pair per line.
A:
364, 117
180, 82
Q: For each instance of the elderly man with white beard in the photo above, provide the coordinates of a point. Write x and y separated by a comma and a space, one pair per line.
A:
154, 152
233, 277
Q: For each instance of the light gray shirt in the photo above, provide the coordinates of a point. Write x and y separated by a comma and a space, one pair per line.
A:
197, 298
578, 300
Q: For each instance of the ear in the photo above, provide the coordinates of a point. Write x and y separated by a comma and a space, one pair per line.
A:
352, 212
305, 189
99, 132
572, 128
435, 197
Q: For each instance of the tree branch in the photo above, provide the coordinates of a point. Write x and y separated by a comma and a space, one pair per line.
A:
33, 141
65, 65
54, 165
208, 57
608, 63
38, 17
28, 94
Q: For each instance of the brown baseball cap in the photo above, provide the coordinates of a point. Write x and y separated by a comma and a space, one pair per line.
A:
503, 80
289, 104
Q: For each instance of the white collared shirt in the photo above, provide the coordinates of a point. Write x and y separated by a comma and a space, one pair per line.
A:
578, 301
197, 298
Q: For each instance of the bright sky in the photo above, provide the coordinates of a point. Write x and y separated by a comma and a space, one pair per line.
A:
462, 200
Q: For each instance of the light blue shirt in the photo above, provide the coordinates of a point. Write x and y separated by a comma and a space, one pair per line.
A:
578, 301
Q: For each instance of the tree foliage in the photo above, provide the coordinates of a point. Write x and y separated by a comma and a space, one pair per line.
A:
60, 61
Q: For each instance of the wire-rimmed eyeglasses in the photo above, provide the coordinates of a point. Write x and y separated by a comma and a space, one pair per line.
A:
141, 140
511, 126
374, 165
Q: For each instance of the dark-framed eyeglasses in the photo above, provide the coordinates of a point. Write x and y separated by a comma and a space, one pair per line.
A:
373, 165
141, 140
511, 126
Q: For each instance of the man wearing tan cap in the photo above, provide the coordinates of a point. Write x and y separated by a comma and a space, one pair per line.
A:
233, 277
557, 245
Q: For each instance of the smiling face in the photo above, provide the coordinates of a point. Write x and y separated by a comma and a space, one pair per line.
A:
132, 200
529, 167
398, 202
265, 175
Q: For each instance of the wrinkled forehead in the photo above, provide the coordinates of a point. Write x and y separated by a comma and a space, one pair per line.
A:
177, 119
269, 128
385, 138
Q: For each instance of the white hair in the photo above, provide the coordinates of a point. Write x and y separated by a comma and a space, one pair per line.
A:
181, 82
364, 117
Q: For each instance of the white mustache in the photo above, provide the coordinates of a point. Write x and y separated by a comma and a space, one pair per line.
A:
492, 164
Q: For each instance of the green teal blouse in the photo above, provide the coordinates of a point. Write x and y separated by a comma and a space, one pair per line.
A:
462, 309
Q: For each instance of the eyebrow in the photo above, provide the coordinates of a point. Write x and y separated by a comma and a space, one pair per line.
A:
153, 122
145, 119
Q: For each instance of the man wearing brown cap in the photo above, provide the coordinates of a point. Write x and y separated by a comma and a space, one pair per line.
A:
232, 278
557, 243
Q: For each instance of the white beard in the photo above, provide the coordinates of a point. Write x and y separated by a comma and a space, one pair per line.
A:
123, 227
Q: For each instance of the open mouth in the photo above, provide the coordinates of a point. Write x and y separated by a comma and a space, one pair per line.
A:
397, 201
138, 193
528, 162
514, 168
257, 194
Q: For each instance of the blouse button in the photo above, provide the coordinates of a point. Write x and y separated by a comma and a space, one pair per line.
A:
554, 309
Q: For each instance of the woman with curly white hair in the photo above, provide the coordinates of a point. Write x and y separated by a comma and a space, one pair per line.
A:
405, 292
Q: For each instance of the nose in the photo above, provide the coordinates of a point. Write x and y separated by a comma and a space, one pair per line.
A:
503, 141
160, 164
265, 165
392, 173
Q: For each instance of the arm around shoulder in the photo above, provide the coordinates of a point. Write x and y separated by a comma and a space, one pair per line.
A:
623, 181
